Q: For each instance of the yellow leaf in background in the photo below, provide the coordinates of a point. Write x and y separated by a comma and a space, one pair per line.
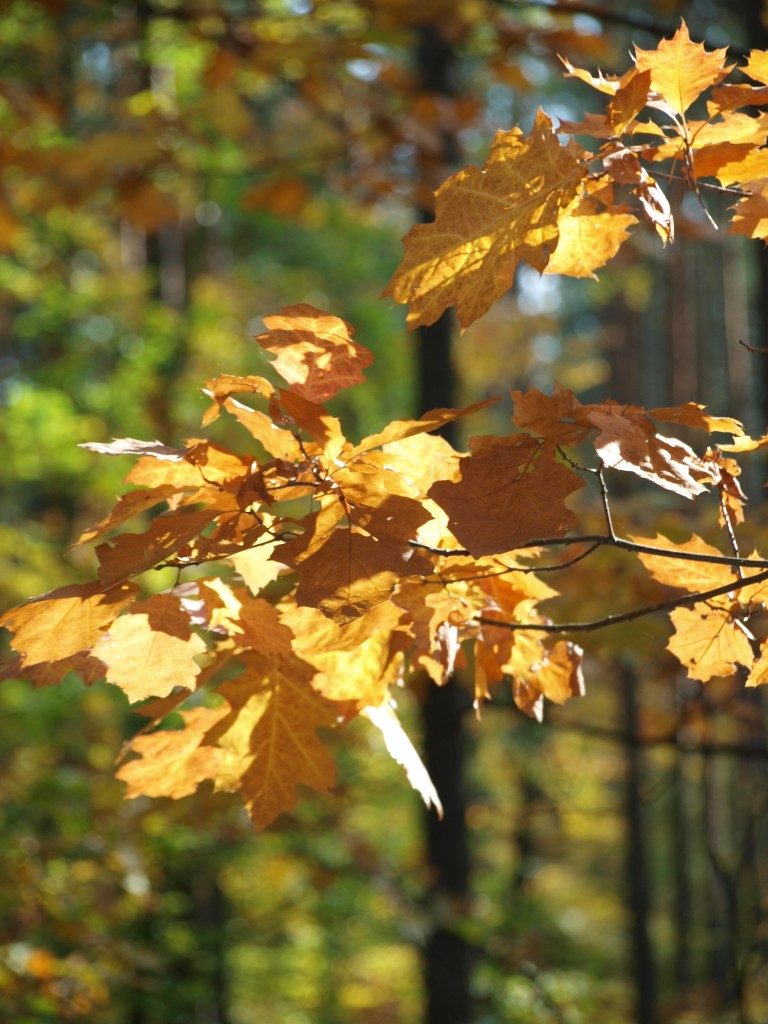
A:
708, 642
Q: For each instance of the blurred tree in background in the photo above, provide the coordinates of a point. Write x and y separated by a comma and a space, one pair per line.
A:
169, 173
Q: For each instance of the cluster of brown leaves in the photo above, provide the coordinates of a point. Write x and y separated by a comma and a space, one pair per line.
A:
562, 209
338, 570
341, 569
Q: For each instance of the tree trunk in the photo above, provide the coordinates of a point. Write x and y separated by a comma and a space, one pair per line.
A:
447, 954
638, 889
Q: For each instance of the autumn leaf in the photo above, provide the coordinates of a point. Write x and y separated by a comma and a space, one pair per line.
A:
687, 574
173, 762
681, 70
134, 553
351, 573
550, 416
511, 491
486, 221
628, 442
691, 414
590, 235
314, 351
269, 740
65, 622
708, 642
127, 506
151, 650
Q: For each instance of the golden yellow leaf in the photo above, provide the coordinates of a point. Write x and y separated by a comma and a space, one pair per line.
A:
151, 650
65, 622
708, 642
686, 574
757, 66
486, 221
590, 235
681, 70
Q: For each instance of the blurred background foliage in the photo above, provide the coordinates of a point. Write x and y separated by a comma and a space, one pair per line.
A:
170, 172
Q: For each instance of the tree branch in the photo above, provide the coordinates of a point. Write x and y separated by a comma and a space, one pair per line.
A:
604, 540
636, 613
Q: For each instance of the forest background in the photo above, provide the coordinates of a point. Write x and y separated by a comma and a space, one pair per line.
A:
171, 173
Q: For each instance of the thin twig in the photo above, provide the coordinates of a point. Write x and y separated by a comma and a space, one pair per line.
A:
636, 613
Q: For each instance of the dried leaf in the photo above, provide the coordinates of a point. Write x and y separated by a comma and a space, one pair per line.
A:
511, 491
314, 351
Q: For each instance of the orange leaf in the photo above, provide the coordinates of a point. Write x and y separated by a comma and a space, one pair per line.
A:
549, 416
314, 351
173, 762
134, 553
511, 491
681, 70
151, 650
127, 506
65, 622
486, 221
692, 415
269, 740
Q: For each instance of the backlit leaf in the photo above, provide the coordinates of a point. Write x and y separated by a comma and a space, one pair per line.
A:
314, 351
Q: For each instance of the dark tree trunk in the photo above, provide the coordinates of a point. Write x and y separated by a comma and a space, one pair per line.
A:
447, 954
638, 888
